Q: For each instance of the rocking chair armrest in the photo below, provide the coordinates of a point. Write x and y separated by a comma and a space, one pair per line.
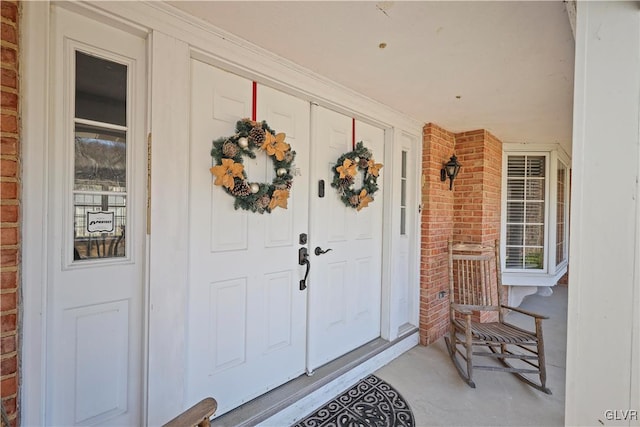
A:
462, 310
528, 313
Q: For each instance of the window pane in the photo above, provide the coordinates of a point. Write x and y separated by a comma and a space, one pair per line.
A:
514, 258
100, 159
561, 215
515, 234
403, 194
534, 258
515, 189
535, 212
515, 212
535, 166
99, 226
535, 189
534, 235
101, 90
515, 166
403, 170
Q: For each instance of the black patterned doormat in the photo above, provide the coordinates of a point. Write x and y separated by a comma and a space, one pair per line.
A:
370, 403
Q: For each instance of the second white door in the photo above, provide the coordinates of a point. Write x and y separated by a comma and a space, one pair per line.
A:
345, 284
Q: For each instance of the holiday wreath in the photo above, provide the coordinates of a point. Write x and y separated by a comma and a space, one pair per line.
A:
229, 170
345, 171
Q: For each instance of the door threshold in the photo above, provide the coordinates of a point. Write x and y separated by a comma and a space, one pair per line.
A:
292, 401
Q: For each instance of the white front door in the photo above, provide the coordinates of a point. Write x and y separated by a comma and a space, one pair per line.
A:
95, 222
345, 283
247, 315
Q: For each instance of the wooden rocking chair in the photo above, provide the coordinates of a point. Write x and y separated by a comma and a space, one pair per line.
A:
474, 287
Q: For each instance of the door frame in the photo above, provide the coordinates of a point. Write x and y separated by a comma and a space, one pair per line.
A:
174, 38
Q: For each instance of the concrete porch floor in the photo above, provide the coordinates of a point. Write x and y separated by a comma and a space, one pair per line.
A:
427, 379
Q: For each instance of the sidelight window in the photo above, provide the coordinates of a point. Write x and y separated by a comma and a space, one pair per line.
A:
100, 158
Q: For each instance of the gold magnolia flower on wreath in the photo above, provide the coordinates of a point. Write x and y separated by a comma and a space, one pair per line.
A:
365, 199
374, 168
225, 172
275, 145
348, 168
279, 198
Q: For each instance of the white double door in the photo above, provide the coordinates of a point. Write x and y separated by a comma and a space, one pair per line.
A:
250, 326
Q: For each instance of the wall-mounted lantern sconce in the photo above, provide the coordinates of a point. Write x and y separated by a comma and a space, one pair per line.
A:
450, 170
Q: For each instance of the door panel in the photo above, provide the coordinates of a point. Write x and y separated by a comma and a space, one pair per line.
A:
246, 330
345, 284
95, 270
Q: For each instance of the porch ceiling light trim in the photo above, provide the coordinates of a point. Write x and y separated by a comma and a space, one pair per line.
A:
450, 170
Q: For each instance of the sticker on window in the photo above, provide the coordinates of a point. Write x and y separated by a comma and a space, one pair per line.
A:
100, 221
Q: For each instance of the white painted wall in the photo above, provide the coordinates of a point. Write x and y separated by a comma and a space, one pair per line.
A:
603, 343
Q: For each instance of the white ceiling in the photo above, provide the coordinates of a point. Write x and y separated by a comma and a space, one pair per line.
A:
503, 66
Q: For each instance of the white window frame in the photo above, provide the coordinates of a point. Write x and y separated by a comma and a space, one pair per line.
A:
567, 198
550, 273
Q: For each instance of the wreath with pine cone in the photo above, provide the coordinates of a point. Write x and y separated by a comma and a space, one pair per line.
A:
230, 174
360, 160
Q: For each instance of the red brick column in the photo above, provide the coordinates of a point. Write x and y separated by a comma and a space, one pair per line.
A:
477, 188
9, 211
477, 200
469, 213
437, 227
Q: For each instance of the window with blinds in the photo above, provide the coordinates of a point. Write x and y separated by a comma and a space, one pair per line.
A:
525, 222
561, 214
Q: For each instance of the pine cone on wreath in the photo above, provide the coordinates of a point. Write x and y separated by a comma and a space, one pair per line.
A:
257, 135
241, 190
288, 156
363, 163
354, 200
285, 185
263, 202
346, 181
229, 149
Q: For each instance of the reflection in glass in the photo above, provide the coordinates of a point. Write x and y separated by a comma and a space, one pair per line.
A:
100, 159
100, 244
535, 212
535, 189
101, 90
535, 166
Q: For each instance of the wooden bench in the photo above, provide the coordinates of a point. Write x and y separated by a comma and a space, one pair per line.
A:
198, 415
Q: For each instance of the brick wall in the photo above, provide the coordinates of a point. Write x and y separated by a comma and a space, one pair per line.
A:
437, 227
469, 213
9, 211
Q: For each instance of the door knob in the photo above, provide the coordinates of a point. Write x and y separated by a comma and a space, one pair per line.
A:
318, 250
